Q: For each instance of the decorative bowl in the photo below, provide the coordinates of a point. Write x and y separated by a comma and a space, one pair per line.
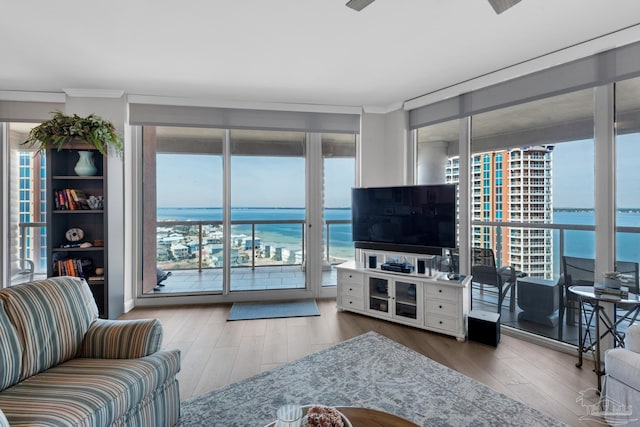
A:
305, 409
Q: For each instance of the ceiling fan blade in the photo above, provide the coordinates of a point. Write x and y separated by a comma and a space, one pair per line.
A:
501, 5
359, 4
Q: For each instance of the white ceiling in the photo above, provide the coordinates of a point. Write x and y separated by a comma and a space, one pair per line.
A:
289, 51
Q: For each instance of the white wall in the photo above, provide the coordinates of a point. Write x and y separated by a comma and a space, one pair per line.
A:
384, 149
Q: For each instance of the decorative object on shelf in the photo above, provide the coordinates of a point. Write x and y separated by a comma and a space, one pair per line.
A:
85, 166
612, 279
74, 234
95, 202
61, 129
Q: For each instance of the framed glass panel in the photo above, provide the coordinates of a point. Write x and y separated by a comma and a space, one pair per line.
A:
627, 113
339, 172
267, 210
27, 207
183, 174
533, 164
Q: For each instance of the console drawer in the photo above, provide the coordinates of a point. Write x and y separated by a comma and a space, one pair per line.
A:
350, 277
442, 292
353, 289
442, 322
440, 307
351, 302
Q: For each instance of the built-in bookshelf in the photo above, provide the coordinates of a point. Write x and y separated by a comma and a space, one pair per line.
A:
76, 216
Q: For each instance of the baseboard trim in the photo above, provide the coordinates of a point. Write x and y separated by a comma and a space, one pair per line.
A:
545, 342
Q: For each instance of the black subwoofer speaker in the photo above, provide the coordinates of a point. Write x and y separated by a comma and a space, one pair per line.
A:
484, 327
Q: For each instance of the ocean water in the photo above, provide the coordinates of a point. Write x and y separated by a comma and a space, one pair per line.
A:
287, 235
577, 243
582, 243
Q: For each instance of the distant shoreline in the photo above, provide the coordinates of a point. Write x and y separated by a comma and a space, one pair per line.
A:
632, 210
241, 207
625, 210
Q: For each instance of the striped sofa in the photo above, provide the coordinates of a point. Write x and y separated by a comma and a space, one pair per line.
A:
62, 366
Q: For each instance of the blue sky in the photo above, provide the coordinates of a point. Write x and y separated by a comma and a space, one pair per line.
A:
196, 181
573, 173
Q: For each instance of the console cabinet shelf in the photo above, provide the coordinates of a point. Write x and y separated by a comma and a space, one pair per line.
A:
80, 261
426, 302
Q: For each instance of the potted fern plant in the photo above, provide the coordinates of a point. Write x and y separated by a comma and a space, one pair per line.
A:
62, 130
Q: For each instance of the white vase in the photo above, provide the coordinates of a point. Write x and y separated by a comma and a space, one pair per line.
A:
85, 166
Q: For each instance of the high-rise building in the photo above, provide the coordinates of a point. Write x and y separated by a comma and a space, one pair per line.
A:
512, 186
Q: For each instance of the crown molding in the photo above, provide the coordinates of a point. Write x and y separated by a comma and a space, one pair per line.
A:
375, 109
93, 93
213, 103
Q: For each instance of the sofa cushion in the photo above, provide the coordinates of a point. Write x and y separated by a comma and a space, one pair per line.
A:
10, 351
623, 365
51, 317
88, 392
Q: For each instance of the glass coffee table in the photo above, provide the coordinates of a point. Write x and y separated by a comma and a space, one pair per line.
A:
366, 417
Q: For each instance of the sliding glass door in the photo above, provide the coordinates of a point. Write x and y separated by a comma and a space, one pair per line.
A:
338, 174
234, 212
267, 210
183, 194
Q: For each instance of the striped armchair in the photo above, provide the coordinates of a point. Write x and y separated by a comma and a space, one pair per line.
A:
62, 366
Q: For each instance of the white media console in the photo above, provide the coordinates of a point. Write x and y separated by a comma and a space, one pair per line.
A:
427, 301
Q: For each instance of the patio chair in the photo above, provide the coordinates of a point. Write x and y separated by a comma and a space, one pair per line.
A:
629, 278
581, 272
575, 272
485, 272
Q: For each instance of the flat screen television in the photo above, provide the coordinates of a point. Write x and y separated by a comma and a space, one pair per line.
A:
416, 218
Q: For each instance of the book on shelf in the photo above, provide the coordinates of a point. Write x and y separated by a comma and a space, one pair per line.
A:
69, 267
95, 279
70, 199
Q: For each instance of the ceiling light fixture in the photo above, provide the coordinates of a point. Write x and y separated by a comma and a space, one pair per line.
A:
359, 4
501, 5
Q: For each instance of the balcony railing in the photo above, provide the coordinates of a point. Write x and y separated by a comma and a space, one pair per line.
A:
252, 246
561, 229
31, 231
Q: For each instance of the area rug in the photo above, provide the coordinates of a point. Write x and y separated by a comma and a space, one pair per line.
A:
369, 371
273, 309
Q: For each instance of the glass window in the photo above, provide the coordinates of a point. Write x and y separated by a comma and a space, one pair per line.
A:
183, 209
339, 173
27, 202
545, 139
627, 170
543, 155
268, 208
